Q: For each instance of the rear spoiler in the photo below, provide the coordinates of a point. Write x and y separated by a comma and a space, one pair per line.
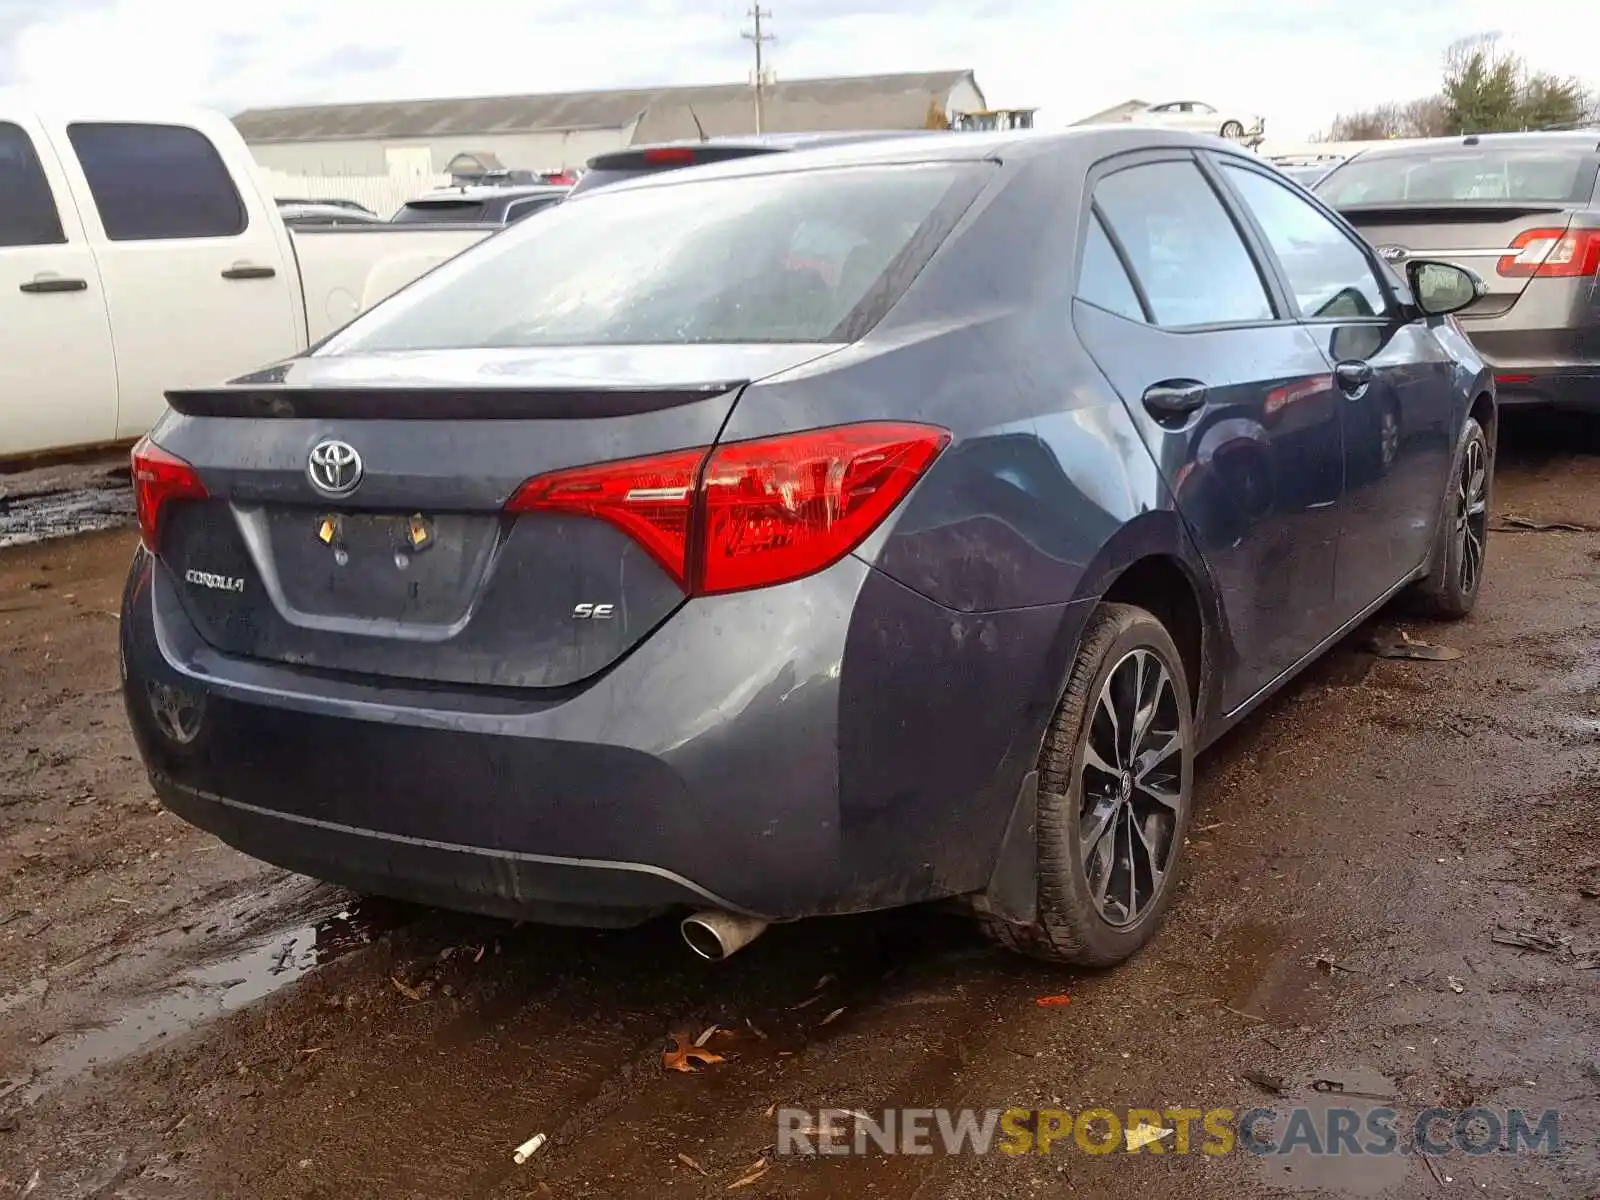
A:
644, 158
438, 404
1460, 212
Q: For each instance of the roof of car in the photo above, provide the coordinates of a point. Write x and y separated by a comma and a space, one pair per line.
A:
490, 191
1570, 138
930, 146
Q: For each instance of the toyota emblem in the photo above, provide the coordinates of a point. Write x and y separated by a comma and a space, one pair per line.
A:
334, 467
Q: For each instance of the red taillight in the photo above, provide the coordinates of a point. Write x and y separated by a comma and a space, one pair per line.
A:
677, 155
159, 478
1552, 254
756, 513
649, 499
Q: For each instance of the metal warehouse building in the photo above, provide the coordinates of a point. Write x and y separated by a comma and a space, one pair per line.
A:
421, 137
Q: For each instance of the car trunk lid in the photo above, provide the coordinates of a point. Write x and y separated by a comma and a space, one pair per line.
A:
1482, 237
356, 513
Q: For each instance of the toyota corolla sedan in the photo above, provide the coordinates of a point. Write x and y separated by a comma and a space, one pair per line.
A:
806, 534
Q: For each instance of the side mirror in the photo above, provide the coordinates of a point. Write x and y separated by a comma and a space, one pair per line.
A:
1441, 288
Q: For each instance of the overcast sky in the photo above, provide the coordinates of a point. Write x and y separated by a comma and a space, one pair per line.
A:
1297, 62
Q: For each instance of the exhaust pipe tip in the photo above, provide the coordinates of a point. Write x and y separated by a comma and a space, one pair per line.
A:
715, 935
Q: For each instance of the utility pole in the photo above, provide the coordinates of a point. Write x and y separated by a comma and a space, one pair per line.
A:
757, 38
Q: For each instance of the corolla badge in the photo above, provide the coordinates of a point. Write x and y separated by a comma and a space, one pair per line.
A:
334, 467
1392, 254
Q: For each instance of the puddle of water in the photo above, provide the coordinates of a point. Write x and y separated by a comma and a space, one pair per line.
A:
221, 986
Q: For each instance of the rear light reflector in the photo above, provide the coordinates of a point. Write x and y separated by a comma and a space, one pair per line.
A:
1502, 380
749, 514
1552, 254
159, 478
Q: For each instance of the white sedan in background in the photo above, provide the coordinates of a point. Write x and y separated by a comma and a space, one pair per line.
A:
1195, 117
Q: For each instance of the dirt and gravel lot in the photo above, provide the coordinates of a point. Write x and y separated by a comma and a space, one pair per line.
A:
177, 1020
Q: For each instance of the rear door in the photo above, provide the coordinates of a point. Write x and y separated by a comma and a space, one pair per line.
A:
193, 265
58, 381
1230, 394
1396, 384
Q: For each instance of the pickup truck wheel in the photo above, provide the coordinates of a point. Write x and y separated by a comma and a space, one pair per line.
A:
1451, 588
1233, 130
1116, 782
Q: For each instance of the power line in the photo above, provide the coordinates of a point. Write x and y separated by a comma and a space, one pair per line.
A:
757, 38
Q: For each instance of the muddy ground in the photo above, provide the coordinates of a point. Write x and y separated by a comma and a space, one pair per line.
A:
177, 1020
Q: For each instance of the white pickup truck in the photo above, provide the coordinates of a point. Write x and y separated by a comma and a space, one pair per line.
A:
143, 252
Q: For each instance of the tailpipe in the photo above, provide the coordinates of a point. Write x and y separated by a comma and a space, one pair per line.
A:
715, 935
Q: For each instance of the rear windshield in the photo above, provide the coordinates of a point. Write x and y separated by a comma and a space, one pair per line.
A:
1465, 173
454, 211
813, 256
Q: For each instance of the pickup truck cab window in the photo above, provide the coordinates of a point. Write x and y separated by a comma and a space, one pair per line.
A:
28, 215
155, 182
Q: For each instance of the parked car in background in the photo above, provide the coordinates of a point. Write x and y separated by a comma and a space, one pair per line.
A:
603, 170
1306, 174
810, 534
316, 213
1522, 210
140, 252
1197, 117
491, 204
337, 202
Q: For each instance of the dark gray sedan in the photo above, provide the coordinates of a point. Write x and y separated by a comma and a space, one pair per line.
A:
807, 534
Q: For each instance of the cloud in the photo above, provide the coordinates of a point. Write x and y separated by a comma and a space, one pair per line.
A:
1298, 64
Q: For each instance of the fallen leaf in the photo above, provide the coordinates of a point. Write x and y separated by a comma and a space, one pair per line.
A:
478, 957
823, 982
833, 1016
756, 1172
754, 1030
1052, 1001
682, 1056
706, 1036
405, 989
771, 1108
689, 1162
806, 1003
1456, 985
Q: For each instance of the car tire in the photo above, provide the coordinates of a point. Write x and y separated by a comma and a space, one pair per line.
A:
1461, 542
1232, 130
1073, 924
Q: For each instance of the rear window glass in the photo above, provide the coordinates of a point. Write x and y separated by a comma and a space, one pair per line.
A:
814, 256
466, 212
1541, 176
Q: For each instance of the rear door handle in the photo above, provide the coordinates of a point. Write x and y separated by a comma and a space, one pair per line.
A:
1353, 378
1174, 399
53, 283
248, 271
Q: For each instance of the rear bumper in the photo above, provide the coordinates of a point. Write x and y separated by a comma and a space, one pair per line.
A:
760, 753
1530, 387
1549, 367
